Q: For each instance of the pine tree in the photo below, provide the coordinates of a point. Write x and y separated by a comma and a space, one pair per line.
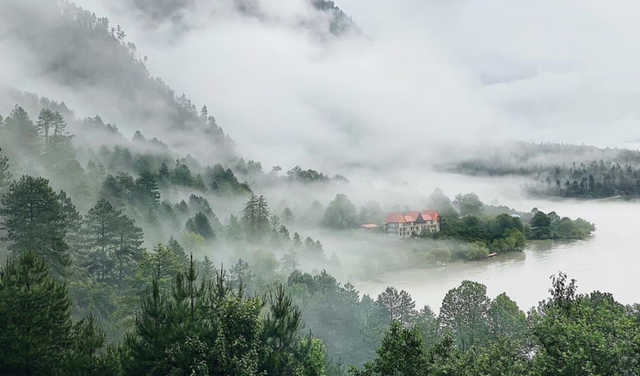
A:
147, 189
114, 243
59, 127
45, 125
129, 246
22, 135
34, 221
152, 336
35, 323
200, 224
100, 227
176, 248
297, 241
256, 218
88, 340
234, 230
73, 223
5, 175
240, 275
287, 353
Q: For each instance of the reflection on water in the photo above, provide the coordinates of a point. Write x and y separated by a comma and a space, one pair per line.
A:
607, 261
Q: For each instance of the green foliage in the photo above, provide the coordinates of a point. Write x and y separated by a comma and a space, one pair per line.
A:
502, 233
584, 334
88, 340
35, 323
200, 225
308, 176
224, 182
33, 218
464, 313
256, 219
340, 214
401, 353
114, 243
552, 226
468, 204
5, 175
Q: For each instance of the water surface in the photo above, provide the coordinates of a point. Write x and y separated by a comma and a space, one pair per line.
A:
608, 261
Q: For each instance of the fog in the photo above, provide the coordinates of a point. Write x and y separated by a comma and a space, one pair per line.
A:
430, 75
414, 85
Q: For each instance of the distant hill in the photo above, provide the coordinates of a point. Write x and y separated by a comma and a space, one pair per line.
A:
159, 11
560, 170
89, 59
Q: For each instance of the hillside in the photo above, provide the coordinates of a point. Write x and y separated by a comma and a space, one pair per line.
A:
77, 53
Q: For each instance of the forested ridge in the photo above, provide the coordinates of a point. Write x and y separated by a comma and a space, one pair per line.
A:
129, 256
560, 170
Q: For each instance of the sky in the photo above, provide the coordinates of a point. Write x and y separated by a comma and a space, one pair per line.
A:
432, 80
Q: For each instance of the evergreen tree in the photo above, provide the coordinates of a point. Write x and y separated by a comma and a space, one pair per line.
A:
256, 218
20, 136
148, 192
200, 224
240, 275
88, 340
45, 125
35, 323
114, 243
5, 175
59, 127
73, 224
34, 221
129, 246
234, 230
281, 336
176, 248
401, 353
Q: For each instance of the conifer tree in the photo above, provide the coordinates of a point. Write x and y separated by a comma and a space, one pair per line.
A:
22, 135
147, 189
33, 218
35, 323
88, 340
5, 175
129, 246
114, 243
152, 336
73, 223
200, 224
256, 218
45, 125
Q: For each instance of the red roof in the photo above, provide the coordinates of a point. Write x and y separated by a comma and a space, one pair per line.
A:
412, 216
395, 218
430, 215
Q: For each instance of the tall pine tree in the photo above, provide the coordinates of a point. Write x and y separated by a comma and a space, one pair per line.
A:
35, 318
34, 221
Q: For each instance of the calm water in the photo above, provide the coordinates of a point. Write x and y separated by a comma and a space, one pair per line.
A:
608, 261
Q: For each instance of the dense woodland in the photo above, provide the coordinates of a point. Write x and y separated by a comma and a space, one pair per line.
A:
564, 170
131, 257
116, 296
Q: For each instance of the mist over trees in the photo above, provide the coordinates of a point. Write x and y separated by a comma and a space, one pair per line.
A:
165, 253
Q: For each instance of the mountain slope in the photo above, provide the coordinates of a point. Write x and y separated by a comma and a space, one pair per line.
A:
72, 51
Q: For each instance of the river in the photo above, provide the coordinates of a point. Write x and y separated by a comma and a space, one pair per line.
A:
608, 261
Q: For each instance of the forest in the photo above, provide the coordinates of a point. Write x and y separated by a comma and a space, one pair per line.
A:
117, 290
168, 253
585, 172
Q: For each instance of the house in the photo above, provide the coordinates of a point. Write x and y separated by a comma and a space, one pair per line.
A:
368, 227
412, 223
